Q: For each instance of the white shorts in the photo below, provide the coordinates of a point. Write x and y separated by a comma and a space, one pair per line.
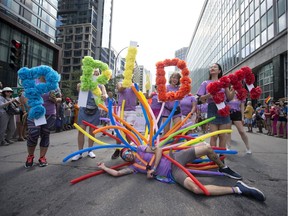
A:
129, 117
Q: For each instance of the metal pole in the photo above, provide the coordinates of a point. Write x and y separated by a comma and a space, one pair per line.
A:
116, 60
110, 35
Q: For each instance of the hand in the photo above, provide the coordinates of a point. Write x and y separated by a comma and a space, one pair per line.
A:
101, 165
150, 174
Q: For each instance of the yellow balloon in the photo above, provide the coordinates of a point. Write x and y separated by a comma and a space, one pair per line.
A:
205, 136
88, 135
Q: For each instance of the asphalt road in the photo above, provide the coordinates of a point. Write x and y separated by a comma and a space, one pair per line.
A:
47, 190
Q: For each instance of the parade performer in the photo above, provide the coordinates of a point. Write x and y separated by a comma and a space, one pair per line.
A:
92, 81
39, 84
163, 167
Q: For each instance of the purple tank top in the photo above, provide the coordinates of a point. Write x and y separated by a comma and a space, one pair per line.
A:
186, 104
130, 99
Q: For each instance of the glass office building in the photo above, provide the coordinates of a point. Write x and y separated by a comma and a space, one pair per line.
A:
79, 33
181, 54
242, 33
33, 24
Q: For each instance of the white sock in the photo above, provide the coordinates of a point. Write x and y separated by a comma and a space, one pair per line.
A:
238, 190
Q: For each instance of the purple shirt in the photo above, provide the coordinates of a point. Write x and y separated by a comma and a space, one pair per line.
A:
202, 90
235, 104
169, 104
130, 99
186, 104
203, 108
155, 104
163, 168
49, 105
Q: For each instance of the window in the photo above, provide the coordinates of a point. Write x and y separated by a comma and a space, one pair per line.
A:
77, 45
270, 16
252, 46
67, 53
66, 69
282, 23
76, 68
252, 32
263, 7
265, 81
68, 38
76, 60
257, 14
257, 28
66, 61
79, 30
67, 46
252, 20
77, 53
263, 22
257, 42
281, 7
78, 37
264, 37
269, 3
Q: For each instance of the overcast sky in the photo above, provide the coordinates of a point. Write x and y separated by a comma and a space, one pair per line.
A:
159, 26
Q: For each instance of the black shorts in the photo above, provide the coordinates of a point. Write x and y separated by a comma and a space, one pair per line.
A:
235, 116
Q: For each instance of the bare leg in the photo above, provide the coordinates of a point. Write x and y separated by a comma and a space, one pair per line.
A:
284, 129
228, 138
242, 133
207, 150
222, 137
91, 142
43, 151
213, 189
31, 150
81, 138
213, 139
278, 128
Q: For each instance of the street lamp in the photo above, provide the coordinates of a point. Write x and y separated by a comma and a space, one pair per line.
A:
116, 60
115, 68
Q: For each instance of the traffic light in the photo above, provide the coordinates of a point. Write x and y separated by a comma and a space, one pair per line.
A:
16, 55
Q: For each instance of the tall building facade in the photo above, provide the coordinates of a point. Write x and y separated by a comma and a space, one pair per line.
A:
242, 33
33, 25
80, 32
181, 54
142, 76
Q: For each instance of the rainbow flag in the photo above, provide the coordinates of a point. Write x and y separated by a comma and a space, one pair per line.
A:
267, 100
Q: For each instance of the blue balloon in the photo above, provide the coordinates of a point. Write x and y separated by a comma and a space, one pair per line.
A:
92, 148
166, 122
116, 130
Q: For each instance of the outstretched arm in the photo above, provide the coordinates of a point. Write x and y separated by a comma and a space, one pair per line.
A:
113, 172
158, 155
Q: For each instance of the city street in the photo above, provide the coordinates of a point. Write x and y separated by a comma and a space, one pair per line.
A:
47, 190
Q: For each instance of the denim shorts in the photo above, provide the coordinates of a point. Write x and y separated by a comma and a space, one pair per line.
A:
213, 111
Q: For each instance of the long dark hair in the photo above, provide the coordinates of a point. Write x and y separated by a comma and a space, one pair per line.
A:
220, 74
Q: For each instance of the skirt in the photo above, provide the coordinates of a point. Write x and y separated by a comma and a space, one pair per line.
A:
213, 111
92, 119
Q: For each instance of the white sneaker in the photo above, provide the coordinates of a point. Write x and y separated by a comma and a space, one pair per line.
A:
91, 154
76, 157
248, 151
